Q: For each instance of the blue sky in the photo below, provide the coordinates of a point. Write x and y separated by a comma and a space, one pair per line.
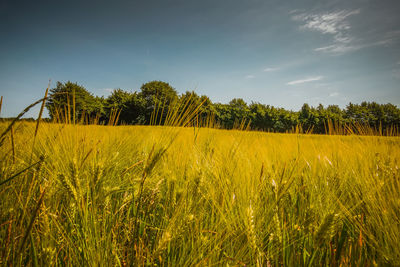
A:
282, 53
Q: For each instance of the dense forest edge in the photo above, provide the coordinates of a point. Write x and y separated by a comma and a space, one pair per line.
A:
71, 100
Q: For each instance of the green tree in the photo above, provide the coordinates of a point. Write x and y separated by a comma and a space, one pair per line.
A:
239, 110
205, 107
130, 106
157, 94
158, 91
63, 97
309, 118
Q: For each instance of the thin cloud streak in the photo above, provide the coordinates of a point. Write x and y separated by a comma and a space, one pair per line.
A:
311, 79
270, 69
337, 48
333, 94
396, 73
108, 90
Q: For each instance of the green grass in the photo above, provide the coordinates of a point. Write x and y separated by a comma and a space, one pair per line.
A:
152, 195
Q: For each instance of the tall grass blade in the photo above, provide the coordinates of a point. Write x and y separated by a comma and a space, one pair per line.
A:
13, 144
31, 222
39, 119
22, 171
1, 103
17, 118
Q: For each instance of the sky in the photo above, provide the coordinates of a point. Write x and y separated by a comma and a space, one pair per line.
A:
280, 53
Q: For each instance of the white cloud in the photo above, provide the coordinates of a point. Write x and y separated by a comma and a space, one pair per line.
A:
393, 35
341, 47
337, 48
306, 80
333, 94
388, 38
333, 23
327, 23
109, 90
270, 69
337, 24
250, 76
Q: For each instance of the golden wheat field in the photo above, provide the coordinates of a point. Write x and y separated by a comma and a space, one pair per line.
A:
171, 196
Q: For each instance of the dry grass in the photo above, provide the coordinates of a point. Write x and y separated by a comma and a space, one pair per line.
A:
152, 195
168, 195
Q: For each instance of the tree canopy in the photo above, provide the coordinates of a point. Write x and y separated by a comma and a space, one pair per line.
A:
69, 96
136, 108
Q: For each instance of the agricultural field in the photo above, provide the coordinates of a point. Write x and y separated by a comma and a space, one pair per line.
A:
74, 195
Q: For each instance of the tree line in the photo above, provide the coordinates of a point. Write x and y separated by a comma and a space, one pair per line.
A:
73, 100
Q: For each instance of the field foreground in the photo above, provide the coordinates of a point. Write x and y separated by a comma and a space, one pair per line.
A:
147, 195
